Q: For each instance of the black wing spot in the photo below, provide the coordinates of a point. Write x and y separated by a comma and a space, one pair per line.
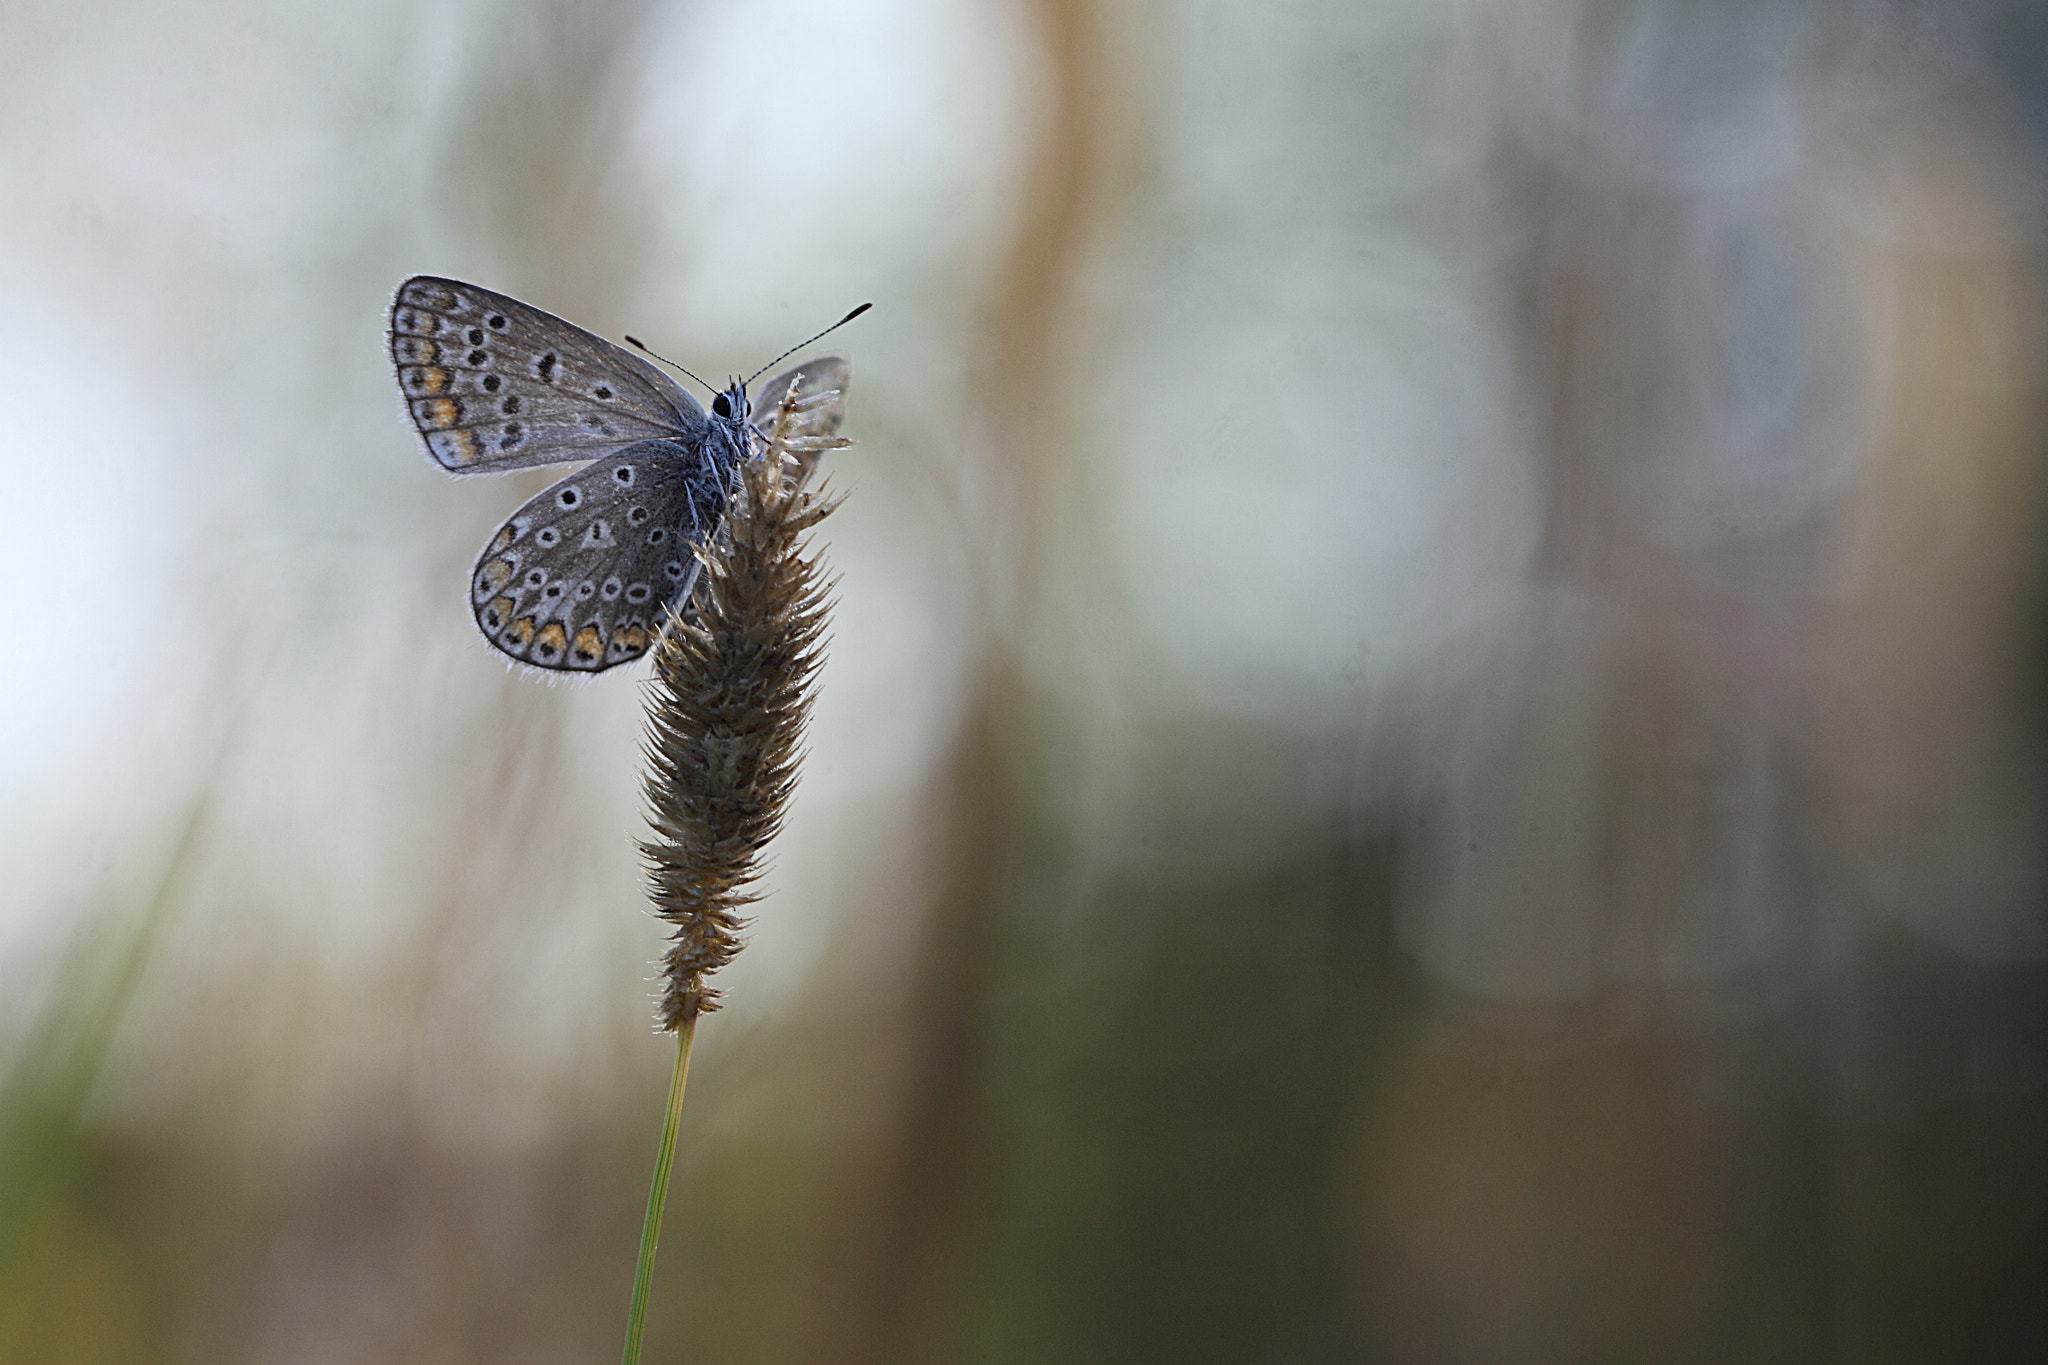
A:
476, 336
600, 533
638, 516
491, 383
497, 322
612, 588
639, 593
569, 497
535, 577
601, 391
547, 537
479, 357
624, 474
545, 367
656, 536
511, 403
514, 434
554, 590
585, 590
674, 569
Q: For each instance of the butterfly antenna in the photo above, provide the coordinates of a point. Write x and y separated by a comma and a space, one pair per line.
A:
801, 344
636, 341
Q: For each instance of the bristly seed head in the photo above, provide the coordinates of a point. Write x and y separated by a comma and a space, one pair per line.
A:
731, 692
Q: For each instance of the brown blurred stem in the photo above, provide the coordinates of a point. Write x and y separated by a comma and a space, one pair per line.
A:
909, 1203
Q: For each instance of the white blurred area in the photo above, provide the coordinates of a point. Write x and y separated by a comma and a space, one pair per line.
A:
253, 575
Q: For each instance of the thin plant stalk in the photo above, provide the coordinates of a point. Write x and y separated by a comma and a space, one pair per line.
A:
657, 1196
731, 692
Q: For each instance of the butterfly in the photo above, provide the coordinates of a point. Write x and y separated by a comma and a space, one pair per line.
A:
582, 577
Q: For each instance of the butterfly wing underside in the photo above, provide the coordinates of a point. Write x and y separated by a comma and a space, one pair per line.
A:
579, 578
813, 376
495, 384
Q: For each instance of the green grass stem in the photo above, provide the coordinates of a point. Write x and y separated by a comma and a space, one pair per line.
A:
664, 1162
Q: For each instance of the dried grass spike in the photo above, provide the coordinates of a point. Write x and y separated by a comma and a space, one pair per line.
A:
727, 706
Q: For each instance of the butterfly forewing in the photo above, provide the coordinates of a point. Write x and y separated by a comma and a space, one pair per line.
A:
496, 384
580, 577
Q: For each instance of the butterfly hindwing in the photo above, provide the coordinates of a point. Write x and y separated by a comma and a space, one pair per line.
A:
495, 384
813, 376
580, 577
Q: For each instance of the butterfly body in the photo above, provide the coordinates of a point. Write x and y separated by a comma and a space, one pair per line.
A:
581, 577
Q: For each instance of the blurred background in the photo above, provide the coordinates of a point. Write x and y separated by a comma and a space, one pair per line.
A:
1433, 744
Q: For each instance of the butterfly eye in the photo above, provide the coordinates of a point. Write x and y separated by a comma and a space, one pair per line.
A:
722, 406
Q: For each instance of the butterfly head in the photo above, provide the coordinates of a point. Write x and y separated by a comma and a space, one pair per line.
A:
731, 406
729, 440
